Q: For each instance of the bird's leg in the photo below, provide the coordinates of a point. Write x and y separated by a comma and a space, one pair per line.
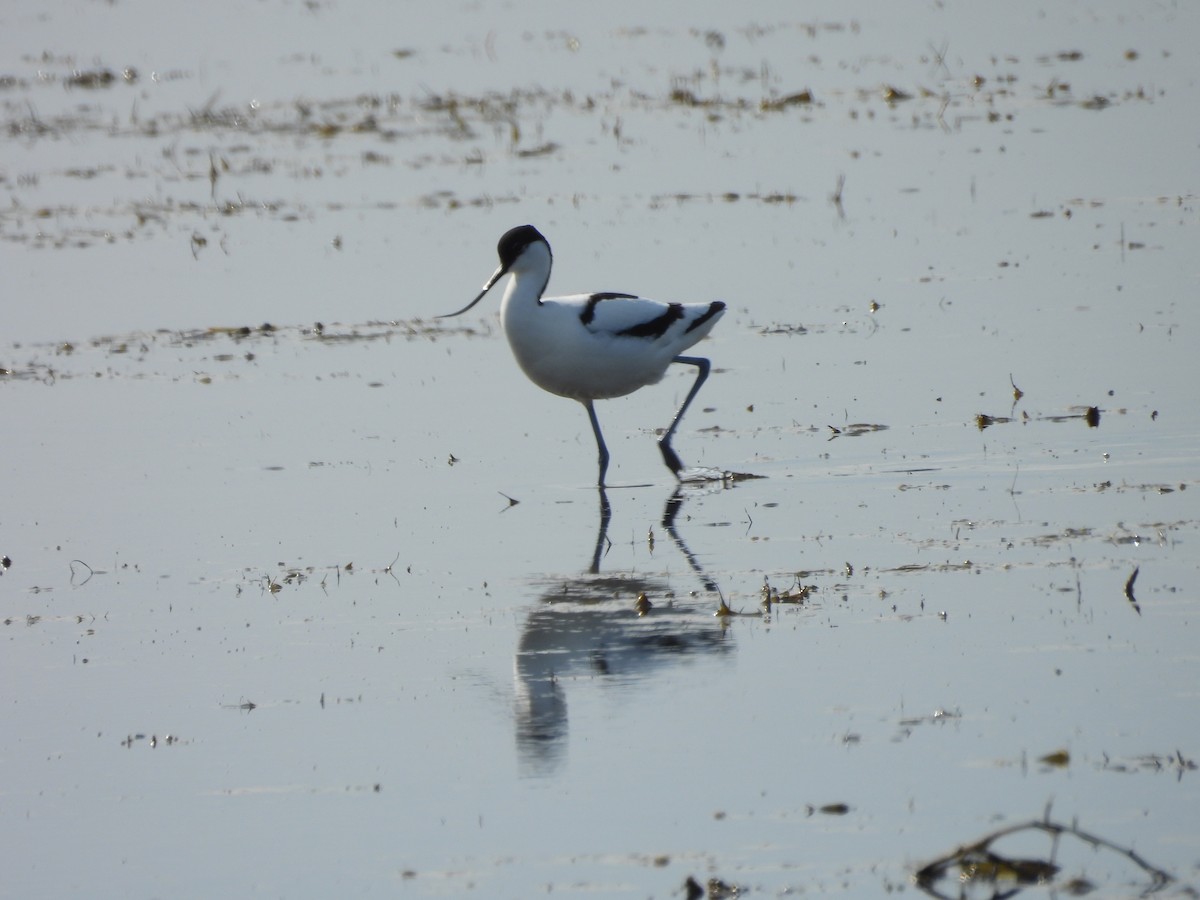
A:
670, 457
591, 410
602, 534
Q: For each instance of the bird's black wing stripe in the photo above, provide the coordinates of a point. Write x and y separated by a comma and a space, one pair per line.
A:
589, 311
714, 309
656, 327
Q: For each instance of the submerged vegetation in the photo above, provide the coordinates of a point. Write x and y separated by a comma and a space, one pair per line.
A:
245, 152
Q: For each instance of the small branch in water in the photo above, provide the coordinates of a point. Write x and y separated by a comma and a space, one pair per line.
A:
978, 863
836, 197
391, 568
86, 566
1129, 590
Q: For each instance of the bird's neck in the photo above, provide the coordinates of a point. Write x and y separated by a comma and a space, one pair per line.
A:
529, 279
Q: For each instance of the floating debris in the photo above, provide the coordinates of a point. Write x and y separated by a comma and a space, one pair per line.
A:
829, 809
801, 98
979, 864
93, 79
796, 594
1090, 415
855, 429
983, 420
1152, 762
1059, 759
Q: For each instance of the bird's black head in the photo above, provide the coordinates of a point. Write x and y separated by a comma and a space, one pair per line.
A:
514, 242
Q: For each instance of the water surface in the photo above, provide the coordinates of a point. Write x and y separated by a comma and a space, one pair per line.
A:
274, 625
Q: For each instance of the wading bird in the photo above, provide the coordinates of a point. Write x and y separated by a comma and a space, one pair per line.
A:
592, 347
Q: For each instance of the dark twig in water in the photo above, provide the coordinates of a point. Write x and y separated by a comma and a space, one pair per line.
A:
213, 175
1012, 490
391, 568
939, 57
1129, 590
86, 566
836, 197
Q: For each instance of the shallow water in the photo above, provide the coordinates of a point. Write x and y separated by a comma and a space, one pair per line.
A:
274, 622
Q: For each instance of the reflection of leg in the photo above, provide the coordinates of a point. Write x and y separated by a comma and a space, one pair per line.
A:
591, 411
602, 534
670, 457
670, 511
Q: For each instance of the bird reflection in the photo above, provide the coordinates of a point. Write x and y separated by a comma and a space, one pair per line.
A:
588, 626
